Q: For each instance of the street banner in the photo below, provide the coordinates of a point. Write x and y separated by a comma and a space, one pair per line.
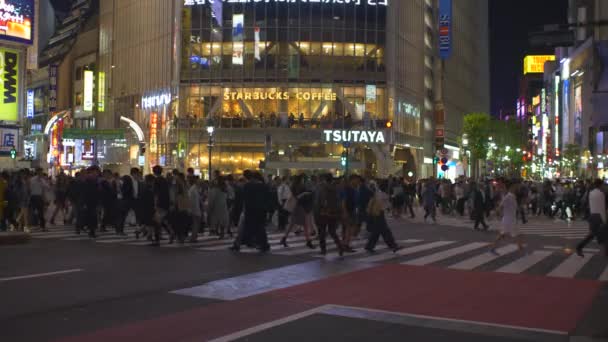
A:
445, 28
9, 84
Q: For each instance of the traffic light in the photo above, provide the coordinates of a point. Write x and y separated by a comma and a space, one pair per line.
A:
436, 160
443, 162
344, 159
13, 153
389, 124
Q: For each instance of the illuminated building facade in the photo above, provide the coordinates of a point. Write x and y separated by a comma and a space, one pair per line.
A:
272, 77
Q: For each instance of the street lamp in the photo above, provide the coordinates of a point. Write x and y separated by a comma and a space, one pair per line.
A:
210, 130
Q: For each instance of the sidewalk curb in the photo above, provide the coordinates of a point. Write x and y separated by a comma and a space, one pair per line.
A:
10, 238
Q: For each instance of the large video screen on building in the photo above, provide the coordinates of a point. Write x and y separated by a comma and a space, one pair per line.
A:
16, 20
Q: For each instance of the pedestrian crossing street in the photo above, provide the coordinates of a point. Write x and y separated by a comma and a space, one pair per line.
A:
551, 261
574, 230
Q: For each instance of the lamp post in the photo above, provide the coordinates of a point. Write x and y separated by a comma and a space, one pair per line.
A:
210, 130
465, 147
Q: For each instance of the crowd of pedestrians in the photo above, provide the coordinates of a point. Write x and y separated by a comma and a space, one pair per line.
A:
179, 207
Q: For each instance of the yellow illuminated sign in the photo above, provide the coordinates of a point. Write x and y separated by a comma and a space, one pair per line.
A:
88, 91
535, 64
536, 100
101, 91
9, 85
279, 95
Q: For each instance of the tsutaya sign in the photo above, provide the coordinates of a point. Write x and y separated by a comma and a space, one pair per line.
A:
321, 2
376, 137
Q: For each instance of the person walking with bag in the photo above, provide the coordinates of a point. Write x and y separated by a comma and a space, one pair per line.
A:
377, 224
326, 212
217, 207
597, 219
302, 214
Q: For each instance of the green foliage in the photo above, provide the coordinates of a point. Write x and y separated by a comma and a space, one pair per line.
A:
477, 128
571, 157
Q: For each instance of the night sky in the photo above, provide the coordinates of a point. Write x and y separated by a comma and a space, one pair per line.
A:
510, 23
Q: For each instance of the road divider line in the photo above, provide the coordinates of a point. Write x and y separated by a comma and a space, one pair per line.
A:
40, 275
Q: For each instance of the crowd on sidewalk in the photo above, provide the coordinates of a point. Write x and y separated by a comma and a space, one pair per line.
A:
183, 206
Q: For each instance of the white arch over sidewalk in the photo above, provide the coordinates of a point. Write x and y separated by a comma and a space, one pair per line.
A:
135, 127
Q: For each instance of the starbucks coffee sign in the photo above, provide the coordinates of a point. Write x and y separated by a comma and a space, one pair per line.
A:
339, 136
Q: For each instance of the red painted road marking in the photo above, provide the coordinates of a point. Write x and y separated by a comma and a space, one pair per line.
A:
531, 302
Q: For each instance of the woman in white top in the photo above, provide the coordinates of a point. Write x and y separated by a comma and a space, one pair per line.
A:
509, 220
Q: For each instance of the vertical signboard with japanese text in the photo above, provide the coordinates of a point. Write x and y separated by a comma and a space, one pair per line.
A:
53, 70
29, 112
9, 87
445, 28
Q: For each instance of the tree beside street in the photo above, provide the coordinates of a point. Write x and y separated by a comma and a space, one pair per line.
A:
477, 128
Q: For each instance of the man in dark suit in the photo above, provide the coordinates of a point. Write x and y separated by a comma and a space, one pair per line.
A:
255, 206
478, 207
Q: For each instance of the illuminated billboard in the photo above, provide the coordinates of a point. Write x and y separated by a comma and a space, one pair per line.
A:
9, 84
88, 91
535, 64
16, 20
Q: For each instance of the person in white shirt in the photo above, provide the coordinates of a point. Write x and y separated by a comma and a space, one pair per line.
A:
38, 188
195, 207
509, 220
283, 194
597, 216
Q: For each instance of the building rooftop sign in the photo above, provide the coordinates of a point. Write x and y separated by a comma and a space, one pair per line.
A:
535, 64
320, 2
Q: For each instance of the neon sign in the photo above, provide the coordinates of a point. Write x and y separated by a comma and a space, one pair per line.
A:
354, 136
274, 95
154, 132
155, 101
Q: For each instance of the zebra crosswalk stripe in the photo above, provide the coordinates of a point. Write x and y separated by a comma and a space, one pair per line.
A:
435, 257
406, 251
570, 266
306, 250
484, 258
522, 264
334, 255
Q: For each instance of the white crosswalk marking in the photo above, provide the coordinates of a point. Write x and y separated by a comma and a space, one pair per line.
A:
429, 259
484, 258
522, 264
570, 267
537, 226
425, 252
306, 250
406, 251
335, 255
117, 240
